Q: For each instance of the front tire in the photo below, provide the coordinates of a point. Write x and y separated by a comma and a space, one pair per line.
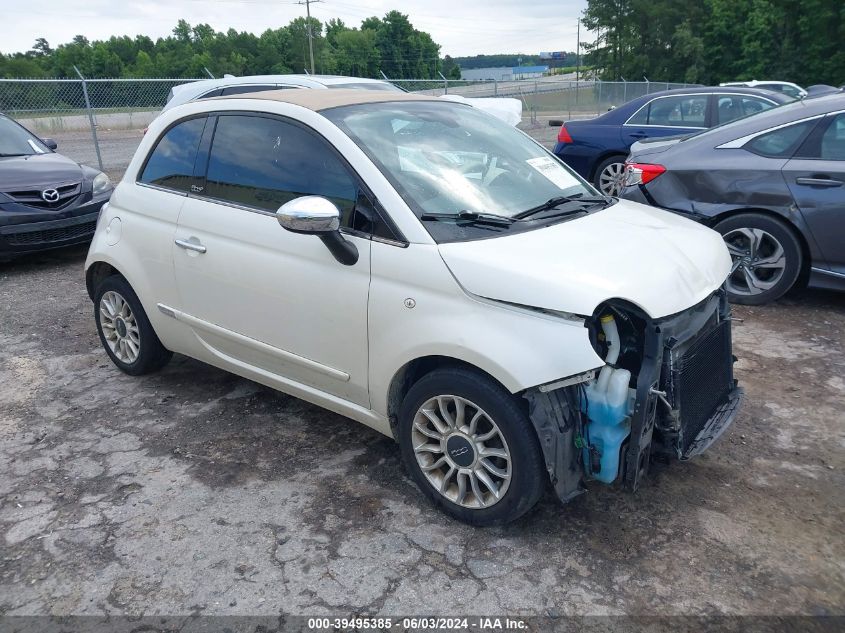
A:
470, 447
766, 256
125, 330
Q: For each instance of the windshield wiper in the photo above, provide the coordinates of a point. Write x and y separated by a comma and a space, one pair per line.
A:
579, 200
8, 155
472, 217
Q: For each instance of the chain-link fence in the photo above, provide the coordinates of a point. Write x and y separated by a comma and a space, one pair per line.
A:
96, 121
549, 96
100, 121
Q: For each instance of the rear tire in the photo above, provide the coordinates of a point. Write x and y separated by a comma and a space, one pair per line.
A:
470, 447
609, 174
767, 257
125, 330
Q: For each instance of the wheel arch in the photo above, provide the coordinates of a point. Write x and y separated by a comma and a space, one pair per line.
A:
806, 257
95, 274
407, 375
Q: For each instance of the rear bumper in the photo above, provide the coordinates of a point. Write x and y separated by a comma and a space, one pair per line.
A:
32, 237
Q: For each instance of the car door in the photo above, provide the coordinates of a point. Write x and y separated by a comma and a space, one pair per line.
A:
256, 296
147, 214
667, 116
816, 178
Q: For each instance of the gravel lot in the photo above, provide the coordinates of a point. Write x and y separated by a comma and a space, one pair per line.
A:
193, 491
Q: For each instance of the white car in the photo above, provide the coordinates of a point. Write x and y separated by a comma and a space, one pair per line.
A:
229, 85
506, 109
427, 270
786, 87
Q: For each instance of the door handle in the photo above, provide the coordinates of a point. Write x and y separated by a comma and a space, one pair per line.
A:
639, 135
819, 182
191, 246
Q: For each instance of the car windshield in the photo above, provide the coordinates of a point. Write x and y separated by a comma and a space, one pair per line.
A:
17, 141
446, 158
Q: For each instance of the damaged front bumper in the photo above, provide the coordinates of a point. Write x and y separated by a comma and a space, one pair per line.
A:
686, 397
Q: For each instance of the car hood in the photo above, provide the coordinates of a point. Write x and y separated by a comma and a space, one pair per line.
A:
659, 261
37, 171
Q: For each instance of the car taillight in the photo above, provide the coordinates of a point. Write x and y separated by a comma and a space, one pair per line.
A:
641, 173
563, 135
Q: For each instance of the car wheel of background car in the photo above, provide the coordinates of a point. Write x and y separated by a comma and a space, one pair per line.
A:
609, 174
125, 331
470, 447
766, 257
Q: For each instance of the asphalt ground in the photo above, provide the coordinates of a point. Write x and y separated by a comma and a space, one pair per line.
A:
193, 491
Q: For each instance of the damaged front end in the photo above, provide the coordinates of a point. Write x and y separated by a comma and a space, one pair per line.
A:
667, 388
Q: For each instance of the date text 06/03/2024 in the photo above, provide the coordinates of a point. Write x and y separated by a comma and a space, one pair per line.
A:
417, 624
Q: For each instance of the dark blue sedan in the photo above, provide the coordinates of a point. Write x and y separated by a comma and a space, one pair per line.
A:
597, 148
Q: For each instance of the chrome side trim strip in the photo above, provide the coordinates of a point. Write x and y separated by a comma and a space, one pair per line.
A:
252, 343
832, 273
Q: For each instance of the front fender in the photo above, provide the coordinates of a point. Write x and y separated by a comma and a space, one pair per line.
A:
520, 348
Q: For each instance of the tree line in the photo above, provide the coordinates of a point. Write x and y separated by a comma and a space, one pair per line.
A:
389, 44
711, 41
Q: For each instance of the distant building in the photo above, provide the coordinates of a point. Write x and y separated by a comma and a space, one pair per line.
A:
504, 73
528, 72
500, 73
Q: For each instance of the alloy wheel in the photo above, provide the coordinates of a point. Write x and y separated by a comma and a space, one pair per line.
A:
758, 258
610, 179
120, 328
461, 451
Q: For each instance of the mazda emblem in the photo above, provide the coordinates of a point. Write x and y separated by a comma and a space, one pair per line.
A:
50, 195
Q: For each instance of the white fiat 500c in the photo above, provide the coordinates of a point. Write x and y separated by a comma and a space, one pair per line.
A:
427, 270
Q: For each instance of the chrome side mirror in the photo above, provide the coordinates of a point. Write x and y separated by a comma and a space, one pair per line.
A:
315, 215
312, 215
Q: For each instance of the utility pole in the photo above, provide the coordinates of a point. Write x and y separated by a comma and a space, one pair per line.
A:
578, 53
307, 4
578, 61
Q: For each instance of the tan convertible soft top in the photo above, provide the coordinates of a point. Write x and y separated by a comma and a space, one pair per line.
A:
317, 99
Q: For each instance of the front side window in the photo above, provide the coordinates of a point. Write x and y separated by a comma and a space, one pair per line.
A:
171, 163
264, 162
780, 143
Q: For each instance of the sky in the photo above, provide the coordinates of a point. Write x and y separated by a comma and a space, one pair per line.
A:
461, 27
